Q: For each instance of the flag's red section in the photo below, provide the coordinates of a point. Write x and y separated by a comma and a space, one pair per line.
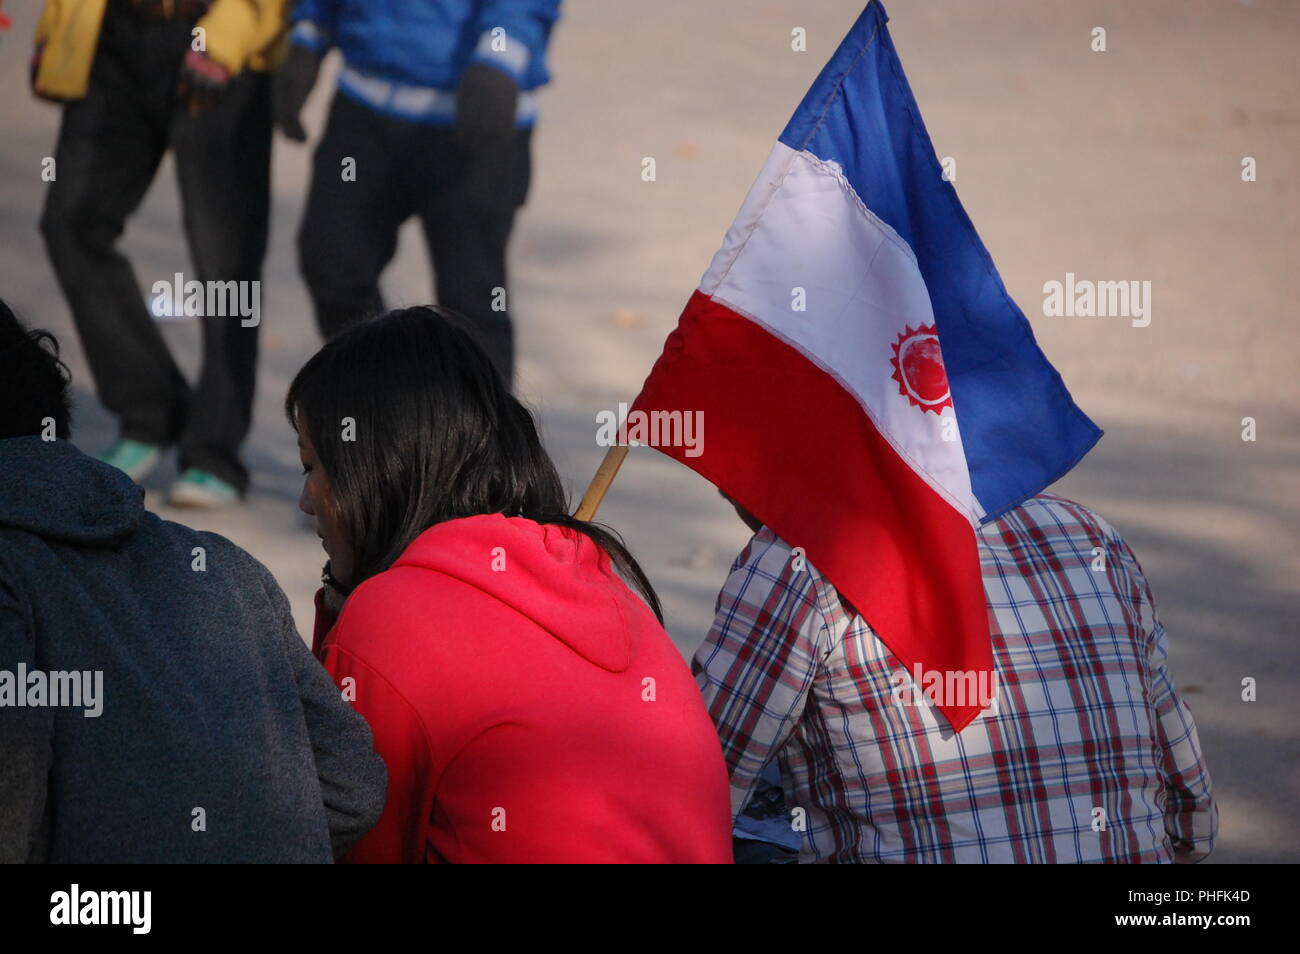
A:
783, 438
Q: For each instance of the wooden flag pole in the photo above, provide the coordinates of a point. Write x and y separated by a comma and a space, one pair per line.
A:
605, 474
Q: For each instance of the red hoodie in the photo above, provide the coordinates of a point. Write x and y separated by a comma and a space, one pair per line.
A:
528, 706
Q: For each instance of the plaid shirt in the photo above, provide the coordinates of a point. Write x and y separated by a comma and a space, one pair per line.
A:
1088, 755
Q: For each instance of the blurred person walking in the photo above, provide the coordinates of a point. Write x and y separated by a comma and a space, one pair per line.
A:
433, 117
136, 78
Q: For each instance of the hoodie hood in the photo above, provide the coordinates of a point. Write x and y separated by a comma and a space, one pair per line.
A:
51, 489
556, 577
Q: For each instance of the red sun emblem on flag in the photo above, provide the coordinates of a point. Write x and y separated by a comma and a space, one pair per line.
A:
918, 369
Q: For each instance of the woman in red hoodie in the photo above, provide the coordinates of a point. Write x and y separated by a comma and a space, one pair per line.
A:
529, 706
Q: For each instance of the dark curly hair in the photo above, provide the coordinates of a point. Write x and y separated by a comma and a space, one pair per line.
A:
34, 383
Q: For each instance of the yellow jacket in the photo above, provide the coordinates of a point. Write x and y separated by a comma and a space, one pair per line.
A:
238, 33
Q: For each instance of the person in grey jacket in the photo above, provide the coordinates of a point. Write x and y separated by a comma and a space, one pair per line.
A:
156, 701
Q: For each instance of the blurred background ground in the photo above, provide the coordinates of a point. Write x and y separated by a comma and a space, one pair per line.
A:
1117, 165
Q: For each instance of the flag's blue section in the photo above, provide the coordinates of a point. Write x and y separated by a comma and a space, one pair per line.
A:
1019, 426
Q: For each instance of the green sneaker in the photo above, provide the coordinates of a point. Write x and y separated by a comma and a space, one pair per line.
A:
133, 458
198, 488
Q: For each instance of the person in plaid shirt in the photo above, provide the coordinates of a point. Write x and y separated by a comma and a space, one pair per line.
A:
1088, 755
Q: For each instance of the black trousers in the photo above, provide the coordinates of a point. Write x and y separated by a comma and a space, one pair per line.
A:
467, 208
110, 145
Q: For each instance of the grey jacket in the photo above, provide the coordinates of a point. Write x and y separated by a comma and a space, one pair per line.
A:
219, 738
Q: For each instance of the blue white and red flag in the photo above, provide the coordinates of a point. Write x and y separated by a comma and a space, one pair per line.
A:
870, 390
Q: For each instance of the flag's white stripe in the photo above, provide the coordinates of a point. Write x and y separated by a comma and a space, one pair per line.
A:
802, 226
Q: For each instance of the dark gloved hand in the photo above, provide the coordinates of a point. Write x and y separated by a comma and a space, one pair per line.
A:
201, 82
291, 84
486, 103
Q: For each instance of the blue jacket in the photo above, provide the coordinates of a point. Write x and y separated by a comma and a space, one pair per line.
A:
429, 43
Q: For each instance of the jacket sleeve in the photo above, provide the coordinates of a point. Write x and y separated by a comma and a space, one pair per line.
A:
315, 24
512, 33
351, 774
49, 18
236, 31
26, 740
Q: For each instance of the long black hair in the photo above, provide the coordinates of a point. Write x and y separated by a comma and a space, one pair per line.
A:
436, 436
